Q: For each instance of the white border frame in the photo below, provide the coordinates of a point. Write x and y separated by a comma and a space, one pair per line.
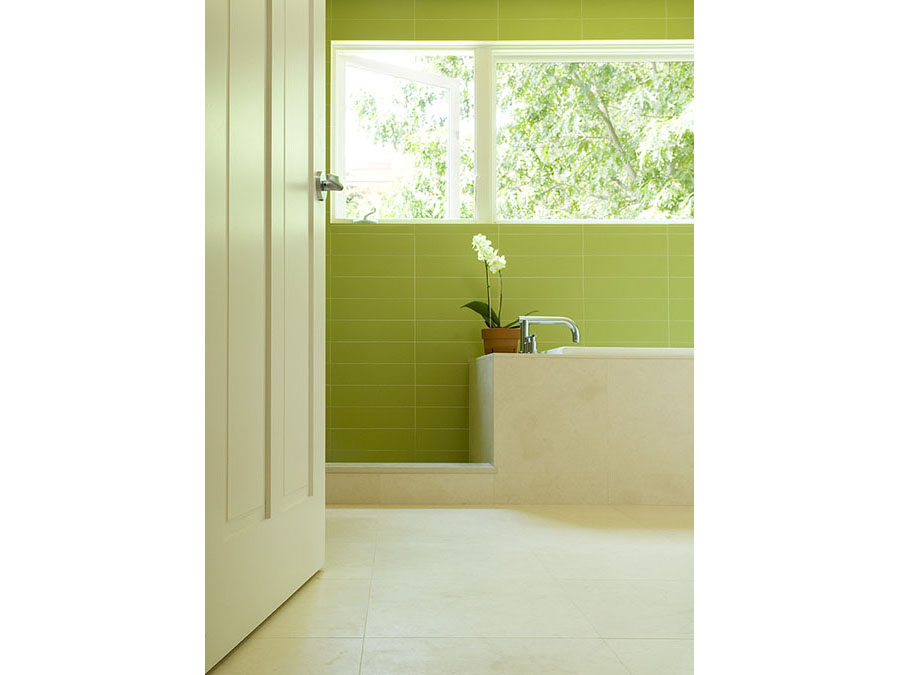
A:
487, 54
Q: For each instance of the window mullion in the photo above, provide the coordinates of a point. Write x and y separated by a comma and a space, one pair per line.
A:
485, 198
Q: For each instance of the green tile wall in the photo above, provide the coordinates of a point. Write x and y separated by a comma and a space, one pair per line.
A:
398, 342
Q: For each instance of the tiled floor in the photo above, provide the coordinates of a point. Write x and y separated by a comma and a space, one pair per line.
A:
538, 589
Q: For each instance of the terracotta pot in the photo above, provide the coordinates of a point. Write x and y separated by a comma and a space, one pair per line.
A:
500, 340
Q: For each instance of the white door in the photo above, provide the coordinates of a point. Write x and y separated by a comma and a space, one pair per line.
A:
265, 310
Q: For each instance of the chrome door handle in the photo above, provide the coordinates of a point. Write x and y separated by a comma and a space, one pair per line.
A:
329, 183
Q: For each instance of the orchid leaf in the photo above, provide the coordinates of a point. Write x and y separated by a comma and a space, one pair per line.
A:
485, 312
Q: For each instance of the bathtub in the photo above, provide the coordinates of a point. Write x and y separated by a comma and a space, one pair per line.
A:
624, 352
585, 425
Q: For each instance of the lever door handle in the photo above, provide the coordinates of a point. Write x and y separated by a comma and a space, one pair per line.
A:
328, 183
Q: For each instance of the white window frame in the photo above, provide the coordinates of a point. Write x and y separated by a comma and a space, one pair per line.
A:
487, 55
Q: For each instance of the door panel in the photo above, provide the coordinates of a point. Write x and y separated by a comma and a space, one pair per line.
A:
265, 310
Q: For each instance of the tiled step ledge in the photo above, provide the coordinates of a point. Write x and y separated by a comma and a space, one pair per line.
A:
408, 467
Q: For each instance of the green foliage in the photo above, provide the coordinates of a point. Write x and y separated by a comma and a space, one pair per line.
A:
416, 125
491, 320
481, 308
574, 140
595, 140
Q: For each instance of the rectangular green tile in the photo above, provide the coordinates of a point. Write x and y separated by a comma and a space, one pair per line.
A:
442, 418
626, 331
457, 29
451, 239
514, 307
448, 352
681, 244
442, 373
681, 229
368, 29
540, 9
682, 332
625, 309
548, 240
442, 396
449, 266
626, 266
625, 9
681, 265
360, 395
466, 329
624, 29
457, 9
372, 287
681, 287
373, 9
680, 29
681, 309
349, 243
603, 243
627, 228
371, 229
449, 309
373, 417
372, 266
334, 455
373, 352
373, 439
543, 266
540, 29
370, 331
449, 287
625, 287
450, 456
379, 308
680, 8
446, 440
372, 373
549, 287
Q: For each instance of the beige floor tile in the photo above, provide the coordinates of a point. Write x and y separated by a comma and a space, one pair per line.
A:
653, 657
636, 609
321, 608
483, 656
348, 559
473, 608
292, 656
523, 589
443, 524
640, 554
350, 524
474, 559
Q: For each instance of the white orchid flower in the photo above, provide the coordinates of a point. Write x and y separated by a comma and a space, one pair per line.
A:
482, 246
496, 263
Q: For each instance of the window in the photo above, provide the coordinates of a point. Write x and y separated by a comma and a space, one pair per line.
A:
505, 132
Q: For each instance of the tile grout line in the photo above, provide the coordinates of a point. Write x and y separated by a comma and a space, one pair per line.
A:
666, 14
616, 654
362, 646
415, 381
668, 295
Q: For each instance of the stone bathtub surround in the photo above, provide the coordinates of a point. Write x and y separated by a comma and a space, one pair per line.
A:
580, 426
586, 426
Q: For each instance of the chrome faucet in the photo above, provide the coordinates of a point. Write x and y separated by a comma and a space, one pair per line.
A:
528, 341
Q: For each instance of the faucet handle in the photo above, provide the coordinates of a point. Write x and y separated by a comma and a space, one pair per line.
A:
529, 344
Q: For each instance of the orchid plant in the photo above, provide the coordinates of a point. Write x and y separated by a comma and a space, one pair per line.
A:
494, 263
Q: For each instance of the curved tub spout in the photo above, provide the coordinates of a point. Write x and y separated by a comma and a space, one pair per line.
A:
528, 341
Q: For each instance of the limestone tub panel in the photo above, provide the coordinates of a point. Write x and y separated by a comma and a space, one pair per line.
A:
583, 425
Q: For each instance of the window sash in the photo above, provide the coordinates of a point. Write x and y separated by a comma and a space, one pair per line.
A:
486, 56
